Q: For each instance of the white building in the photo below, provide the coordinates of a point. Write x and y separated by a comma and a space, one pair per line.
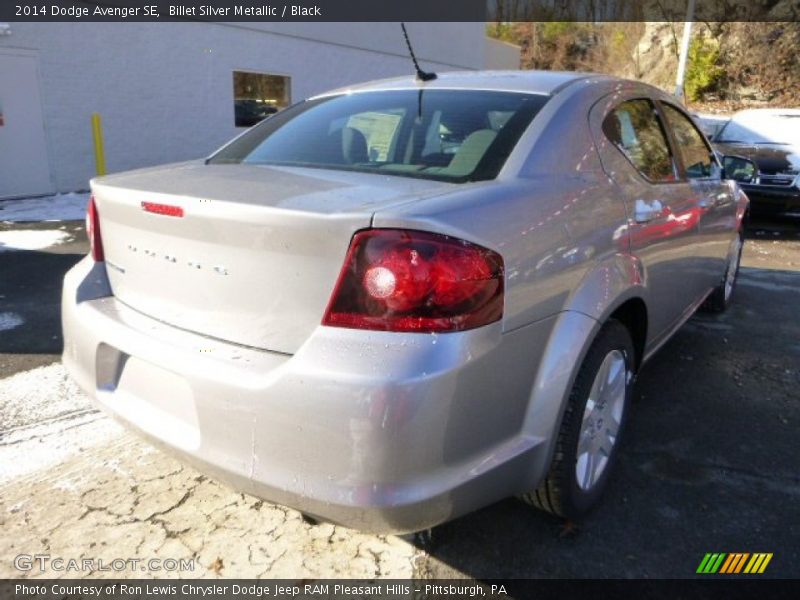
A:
167, 91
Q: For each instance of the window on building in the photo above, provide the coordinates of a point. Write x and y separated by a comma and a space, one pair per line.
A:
258, 95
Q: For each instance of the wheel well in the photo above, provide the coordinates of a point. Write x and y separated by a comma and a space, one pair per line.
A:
633, 314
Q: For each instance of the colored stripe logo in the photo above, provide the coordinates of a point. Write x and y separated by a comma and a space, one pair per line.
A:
734, 563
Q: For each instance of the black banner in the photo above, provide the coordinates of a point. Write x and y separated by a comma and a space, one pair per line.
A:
395, 589
400, 10
244, 10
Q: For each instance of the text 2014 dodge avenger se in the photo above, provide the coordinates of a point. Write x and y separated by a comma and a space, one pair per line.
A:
390, 305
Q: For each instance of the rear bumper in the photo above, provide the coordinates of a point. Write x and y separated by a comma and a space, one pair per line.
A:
378, 431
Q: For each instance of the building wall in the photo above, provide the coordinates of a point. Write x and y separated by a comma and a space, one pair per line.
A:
165, 91
501, 55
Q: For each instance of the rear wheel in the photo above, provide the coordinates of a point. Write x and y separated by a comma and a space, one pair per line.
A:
593, 421
720, 299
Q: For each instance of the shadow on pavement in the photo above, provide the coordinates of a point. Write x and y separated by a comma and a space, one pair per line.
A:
30, 294
773, 228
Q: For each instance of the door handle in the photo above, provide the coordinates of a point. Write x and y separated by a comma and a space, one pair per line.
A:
707, 202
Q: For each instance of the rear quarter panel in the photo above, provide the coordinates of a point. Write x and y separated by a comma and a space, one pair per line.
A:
560, 224
553, 214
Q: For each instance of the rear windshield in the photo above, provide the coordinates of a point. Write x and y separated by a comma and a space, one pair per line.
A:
447, 135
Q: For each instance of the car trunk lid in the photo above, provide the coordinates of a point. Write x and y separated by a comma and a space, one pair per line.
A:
256, 253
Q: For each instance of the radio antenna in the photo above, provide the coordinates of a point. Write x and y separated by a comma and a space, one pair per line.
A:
421, 75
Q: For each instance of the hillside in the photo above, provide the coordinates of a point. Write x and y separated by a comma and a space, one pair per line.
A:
731, 65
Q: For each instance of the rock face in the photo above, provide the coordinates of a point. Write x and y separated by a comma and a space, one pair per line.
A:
753, 63
655, 57
757, 60
760, 62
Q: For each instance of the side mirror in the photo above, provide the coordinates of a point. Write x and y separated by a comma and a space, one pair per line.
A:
739, 169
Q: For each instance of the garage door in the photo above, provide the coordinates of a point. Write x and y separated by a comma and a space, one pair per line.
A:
24, 169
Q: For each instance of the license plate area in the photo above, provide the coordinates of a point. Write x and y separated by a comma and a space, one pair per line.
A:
159, 402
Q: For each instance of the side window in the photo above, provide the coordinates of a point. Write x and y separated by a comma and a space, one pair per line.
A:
694, 151
634, 128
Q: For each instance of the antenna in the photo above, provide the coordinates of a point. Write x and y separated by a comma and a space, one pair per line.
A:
421, 75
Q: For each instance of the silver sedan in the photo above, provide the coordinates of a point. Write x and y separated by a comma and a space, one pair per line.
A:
393, 304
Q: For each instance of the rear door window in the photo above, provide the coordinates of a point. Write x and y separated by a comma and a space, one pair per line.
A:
634, 128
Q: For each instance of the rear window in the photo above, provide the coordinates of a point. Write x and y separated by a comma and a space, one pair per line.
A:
448, 135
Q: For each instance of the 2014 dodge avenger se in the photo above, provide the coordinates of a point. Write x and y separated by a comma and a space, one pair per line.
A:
392, 304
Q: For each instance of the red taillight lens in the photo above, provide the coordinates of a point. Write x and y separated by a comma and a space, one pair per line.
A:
399, 280
93, 231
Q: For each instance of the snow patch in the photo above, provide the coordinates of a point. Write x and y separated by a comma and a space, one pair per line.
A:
31, 239
10, 320
31, 449
61, 207
44, 393
45, 419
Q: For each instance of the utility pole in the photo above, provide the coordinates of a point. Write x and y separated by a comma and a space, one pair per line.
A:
684, 55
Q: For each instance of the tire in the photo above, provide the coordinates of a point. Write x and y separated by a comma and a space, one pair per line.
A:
721, 298
561, 493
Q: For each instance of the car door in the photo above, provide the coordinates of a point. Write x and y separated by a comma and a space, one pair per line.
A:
661, 231
716, 210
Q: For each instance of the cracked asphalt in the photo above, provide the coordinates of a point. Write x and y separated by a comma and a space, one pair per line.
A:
75, 484
709, 464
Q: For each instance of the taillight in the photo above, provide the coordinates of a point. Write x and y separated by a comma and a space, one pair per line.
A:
93, 231
400, 280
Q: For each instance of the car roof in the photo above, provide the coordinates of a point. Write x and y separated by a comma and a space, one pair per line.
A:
531, 82
768, 112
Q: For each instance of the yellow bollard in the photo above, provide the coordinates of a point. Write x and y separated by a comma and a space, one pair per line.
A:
97, 134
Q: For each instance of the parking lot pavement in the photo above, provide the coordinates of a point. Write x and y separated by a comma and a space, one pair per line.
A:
709, 464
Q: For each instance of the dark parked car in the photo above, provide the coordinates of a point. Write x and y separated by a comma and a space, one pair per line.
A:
771, 139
